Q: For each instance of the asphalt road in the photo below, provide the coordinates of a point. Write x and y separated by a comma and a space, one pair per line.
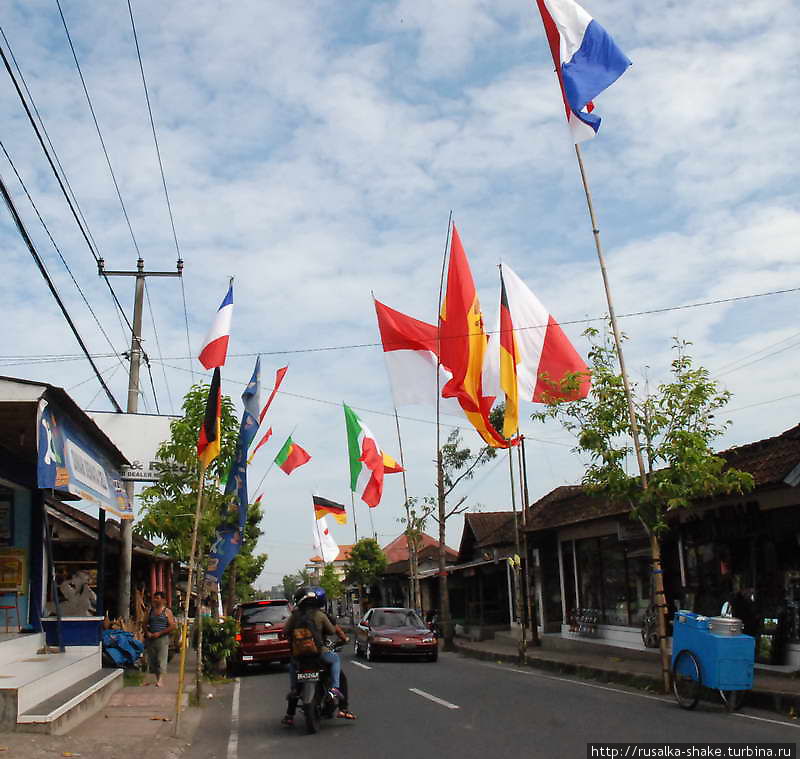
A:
406, 709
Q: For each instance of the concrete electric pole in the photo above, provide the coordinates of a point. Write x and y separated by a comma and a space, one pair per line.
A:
126, 525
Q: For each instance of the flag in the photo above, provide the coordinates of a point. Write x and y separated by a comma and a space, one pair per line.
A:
367, 460
463, 345
279, 375
208, 442
324, 544
508, 365
259, 497
587, 61
410, 350
267, 436
323, 506
228, 541
544, 355
215, 346
291, 456
226, 546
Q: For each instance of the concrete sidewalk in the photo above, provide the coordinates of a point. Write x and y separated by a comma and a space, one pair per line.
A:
139, 720
640, 669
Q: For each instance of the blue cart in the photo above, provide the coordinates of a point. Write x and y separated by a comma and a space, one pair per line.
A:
702, 657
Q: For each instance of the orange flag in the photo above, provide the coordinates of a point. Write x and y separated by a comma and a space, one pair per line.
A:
463, 345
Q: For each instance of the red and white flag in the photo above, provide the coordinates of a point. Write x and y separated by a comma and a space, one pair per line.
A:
409, 347
544, 354
324, 544
215, 346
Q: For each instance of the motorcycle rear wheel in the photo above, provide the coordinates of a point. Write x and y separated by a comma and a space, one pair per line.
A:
312, 714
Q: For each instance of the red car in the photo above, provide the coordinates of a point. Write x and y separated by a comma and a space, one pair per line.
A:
261, 637
394, 632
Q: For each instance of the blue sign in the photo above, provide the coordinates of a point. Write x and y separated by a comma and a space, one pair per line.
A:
69, 461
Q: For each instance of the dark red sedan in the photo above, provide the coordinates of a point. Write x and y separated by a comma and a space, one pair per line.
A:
394, 632
261, 637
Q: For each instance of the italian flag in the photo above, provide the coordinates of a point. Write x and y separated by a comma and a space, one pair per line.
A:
368, 463
291, 456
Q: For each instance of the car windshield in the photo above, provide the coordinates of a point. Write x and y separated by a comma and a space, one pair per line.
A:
396, 618
269, 613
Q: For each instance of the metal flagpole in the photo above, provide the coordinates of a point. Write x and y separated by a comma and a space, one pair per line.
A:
655, 547
355, 522
410, 545
530, 569
523, 640
444, 600
185, 627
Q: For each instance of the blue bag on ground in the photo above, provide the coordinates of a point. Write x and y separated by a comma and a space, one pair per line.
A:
121, 647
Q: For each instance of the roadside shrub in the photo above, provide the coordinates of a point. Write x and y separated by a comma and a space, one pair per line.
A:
219, 641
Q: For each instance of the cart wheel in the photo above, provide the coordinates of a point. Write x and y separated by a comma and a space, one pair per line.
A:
733, 699
686, 679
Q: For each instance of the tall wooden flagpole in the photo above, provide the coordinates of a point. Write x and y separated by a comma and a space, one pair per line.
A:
518, 602
530, 568
655, 547
416, 601
185, 626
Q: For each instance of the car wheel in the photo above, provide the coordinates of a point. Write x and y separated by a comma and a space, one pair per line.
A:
370, 653
434, 656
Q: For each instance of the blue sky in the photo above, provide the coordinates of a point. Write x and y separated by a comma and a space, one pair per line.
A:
314, 150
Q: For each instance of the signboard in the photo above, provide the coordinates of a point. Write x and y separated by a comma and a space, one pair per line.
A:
69, 460
138, 436
12, 570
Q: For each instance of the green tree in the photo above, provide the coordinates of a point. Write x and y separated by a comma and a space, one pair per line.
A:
366, 564
292, 582
679, 425
455, 464
330, 583
416, 518
168, 506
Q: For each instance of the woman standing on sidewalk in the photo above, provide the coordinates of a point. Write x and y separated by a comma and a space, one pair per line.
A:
160, 625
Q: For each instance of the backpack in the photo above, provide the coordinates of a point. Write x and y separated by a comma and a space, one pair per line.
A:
305, 638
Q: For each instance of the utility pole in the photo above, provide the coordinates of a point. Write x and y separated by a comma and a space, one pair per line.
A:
126, 525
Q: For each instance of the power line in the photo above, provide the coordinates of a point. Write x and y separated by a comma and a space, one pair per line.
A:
166, 192
85, 232
351, 346
40, 264
60, 255
97, 127
158, 348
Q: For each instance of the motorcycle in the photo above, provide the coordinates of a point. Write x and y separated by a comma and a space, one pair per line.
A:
314, 695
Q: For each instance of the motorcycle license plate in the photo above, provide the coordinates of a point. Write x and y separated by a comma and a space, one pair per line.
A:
307, 676
268, 636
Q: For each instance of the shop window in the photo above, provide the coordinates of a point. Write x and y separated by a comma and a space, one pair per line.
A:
614, 586
569, 578
590, 573
639, 594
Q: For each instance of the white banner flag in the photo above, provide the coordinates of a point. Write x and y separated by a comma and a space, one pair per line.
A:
324, 544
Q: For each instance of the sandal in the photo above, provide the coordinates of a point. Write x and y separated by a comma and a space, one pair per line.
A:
288, 721
344, 714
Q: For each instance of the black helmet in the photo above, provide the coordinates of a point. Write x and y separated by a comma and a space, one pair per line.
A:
305, 596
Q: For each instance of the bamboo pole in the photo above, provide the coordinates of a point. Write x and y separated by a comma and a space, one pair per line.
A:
185, 626
655, 547
411, 544
530, 569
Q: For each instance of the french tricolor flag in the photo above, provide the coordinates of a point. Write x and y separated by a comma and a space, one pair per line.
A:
587, 61
215, 346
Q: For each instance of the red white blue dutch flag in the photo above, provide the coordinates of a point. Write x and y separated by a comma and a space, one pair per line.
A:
587, 61
215, 346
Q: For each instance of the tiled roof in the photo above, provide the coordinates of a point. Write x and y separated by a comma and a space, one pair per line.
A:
491, 528
768, 460
397, 550
343, 555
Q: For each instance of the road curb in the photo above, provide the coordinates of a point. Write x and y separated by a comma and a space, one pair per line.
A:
782, 702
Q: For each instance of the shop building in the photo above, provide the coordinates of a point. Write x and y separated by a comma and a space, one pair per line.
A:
593, 562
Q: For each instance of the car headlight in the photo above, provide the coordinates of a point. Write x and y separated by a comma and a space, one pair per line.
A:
429, 640
379, 639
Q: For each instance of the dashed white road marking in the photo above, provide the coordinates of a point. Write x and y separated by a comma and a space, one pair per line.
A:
233, 738
359, 664
433, 698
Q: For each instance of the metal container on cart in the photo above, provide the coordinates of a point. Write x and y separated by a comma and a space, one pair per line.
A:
725, 657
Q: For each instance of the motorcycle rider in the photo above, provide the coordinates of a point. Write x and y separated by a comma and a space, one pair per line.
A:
308, 613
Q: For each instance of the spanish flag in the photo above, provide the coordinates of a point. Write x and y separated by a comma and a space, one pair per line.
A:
509, 358
208, 443
323, 506
462, 345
